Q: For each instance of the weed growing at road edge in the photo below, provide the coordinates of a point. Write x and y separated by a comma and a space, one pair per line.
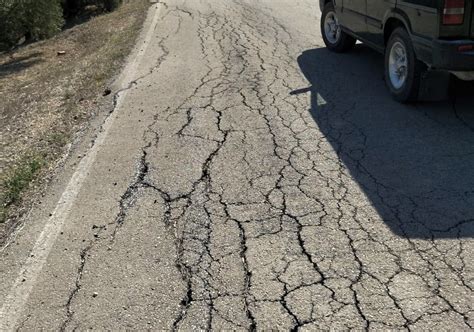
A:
18, 181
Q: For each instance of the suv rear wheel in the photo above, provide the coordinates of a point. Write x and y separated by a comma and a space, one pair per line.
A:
334, 37
403, 70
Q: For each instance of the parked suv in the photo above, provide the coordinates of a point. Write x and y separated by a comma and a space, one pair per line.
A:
416, 36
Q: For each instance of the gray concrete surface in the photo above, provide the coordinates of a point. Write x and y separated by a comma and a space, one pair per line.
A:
252, 180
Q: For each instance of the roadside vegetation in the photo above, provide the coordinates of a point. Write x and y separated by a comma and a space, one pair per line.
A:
49, 89
29, 20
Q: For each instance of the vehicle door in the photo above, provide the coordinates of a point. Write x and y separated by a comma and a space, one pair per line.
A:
376, 12
354, 15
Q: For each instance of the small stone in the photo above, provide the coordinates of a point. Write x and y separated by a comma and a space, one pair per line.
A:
95, 294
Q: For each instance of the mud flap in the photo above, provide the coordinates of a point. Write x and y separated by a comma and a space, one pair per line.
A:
434, 86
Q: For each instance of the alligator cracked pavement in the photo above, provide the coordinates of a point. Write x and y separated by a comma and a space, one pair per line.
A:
249, 179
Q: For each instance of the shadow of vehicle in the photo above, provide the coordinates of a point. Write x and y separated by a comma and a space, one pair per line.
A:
415, 163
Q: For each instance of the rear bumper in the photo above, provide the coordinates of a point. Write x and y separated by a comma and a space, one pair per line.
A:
446, 55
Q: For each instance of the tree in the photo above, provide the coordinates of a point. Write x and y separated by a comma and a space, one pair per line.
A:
10, 23
42, 18
38, 19
32, 19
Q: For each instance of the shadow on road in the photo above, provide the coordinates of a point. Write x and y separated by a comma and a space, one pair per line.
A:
415, 163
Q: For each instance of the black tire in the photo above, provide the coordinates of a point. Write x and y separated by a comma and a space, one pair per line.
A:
410, 89
344, 43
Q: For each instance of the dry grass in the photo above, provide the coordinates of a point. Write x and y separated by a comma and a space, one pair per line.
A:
45, 97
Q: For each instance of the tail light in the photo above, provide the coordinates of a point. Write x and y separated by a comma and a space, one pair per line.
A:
465, 48
453, 13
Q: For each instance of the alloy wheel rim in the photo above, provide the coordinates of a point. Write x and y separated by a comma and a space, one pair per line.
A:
398, 65
332, 29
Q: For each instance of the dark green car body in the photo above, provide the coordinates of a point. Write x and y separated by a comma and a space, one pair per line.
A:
435, 44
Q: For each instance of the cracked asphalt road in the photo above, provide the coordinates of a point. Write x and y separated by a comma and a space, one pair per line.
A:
253, 180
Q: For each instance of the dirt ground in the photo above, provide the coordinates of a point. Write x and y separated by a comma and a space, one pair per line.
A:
49, 91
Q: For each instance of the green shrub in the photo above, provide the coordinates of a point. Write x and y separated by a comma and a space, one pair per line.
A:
43, 18
17, 182
10, 23
32, 19
38, 19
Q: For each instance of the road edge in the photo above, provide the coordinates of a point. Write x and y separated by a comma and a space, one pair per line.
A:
12, 307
